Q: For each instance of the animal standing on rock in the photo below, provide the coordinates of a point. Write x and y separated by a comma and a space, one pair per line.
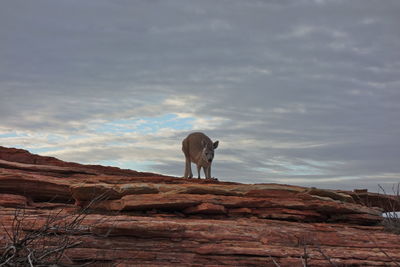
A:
199, 149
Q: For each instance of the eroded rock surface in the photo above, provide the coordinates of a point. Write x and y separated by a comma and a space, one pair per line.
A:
145, 219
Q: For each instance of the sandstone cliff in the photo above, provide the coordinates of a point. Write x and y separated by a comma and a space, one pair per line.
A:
144, 219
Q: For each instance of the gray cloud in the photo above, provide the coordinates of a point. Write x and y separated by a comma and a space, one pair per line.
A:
292, 89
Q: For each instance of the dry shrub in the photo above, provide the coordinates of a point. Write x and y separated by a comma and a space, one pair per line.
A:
32, 240
391, 221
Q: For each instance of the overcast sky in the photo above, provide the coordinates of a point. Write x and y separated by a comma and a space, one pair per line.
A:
303, 92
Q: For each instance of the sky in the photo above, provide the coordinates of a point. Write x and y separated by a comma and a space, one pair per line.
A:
302, 92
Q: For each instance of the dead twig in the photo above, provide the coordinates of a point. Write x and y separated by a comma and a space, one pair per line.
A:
384, 252
274, 261
391, 220
319, 249
305, 254
9, 258
302, 242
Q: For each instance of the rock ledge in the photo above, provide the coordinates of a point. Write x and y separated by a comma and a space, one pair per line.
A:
146, 219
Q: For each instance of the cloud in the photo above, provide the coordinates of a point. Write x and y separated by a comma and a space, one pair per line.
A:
303, 92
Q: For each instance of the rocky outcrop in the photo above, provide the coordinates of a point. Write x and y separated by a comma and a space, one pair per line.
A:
269, 201
23, 156
128, 218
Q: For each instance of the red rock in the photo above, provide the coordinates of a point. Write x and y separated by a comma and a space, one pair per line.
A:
289, 214
205, 208
140, 219
86, 192
36, 187
240, 211
23, 156
387, 202
9, 200
159, 201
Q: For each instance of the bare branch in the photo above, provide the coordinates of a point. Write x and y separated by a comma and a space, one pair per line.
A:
9, 258
326, 256
384, 252
58, 249
34, 242
7, 232
29, 259
276, 264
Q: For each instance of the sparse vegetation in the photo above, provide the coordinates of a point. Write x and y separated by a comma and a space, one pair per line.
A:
391, 220
307, 246
30, 241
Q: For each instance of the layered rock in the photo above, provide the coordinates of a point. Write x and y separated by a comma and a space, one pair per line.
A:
262, 201
23, 156
142, 219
